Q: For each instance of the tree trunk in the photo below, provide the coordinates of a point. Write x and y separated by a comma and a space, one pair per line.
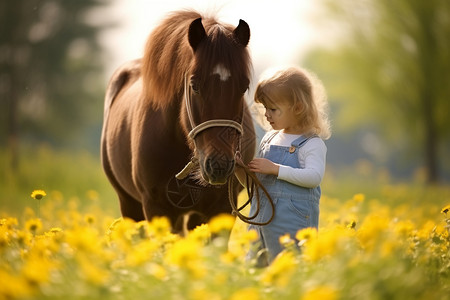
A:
430, 140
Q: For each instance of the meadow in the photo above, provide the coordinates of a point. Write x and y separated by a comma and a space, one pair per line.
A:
377, 240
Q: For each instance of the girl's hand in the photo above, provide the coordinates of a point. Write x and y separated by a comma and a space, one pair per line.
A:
264, 166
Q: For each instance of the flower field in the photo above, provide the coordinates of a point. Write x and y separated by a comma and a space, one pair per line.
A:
395, 247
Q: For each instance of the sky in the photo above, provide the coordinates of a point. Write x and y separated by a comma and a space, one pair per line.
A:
281, 31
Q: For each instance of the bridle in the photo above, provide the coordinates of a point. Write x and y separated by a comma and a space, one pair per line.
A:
196, 129
251, 179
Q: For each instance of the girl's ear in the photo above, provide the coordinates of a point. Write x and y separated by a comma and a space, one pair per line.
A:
297, 108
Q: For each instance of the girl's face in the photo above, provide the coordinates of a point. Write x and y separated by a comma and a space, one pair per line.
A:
282, 117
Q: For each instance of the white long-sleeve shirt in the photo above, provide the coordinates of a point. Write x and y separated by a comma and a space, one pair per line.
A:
312, 158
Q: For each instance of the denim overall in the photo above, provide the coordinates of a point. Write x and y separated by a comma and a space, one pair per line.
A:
296, 207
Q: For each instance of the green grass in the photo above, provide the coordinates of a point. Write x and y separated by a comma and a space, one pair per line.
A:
72, 174
397, 248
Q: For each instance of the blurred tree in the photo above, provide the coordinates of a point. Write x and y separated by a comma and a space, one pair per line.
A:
391, 72
51, 71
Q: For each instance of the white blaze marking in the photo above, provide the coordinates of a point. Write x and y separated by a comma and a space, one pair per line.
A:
223, 72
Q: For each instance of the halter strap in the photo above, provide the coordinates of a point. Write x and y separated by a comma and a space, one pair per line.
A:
196, 129
214, 123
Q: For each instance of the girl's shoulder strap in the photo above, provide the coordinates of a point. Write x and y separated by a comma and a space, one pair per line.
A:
269, 136
300, 141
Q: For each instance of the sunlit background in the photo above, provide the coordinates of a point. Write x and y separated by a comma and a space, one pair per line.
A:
385, 66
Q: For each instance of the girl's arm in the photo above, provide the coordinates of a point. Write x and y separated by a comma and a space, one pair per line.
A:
312, 157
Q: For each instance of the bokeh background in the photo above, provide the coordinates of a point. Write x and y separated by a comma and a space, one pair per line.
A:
385, 66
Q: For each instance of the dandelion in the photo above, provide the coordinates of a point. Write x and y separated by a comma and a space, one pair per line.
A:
446, 209
38, 195
186, 254
249, 293
16, 288
8, 223
351, 225
358, 198
89, 219
222, 222
286, 240
92, 195
91, 271
280, 271
157, 271
321, 292
200, 233
33, 225
160, 226
37, 269
306, 234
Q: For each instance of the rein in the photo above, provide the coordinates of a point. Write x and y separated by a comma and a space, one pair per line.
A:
253, 183
196, 129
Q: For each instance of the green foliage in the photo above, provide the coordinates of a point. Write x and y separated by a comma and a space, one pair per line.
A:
390, 251
51, 69
73, 173
377, 240
390, 71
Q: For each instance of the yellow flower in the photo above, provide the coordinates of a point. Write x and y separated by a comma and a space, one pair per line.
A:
37, 269
279, 272
92, 271
14, 286
446, 209
306, 234
83, 239
371, 231
404, 228
186, 254
249, 293
157, 271
351, 225
200, 233
4, 236
89, 218
221, 222
359, 198
92, 195
321, 292
141, 252
38, 194
327, 243
159, 226
286, 240
8, 223
183, 252
33, 225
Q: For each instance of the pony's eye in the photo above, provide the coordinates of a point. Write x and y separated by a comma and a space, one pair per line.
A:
194, 86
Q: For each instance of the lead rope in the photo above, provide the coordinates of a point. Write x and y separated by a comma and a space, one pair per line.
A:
253, 185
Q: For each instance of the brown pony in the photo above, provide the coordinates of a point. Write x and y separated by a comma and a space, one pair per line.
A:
181, 105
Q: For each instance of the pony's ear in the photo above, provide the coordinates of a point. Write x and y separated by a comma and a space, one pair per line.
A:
196, 33
242, 33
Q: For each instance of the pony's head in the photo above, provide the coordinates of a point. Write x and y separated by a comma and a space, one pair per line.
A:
215, 84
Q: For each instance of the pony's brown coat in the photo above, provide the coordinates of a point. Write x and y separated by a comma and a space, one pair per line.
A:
144, 141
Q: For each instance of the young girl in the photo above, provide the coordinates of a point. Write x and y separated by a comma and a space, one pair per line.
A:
291, 160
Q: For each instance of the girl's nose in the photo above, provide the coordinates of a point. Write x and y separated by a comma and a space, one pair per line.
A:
267, 113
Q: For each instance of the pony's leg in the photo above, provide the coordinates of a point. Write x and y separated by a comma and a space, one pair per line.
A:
130, 208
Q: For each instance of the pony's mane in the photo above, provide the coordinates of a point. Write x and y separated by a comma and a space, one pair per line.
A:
168, 55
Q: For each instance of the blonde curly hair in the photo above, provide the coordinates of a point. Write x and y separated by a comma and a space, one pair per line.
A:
300, 89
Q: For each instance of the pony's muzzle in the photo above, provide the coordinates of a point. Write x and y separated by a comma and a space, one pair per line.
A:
217, 171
